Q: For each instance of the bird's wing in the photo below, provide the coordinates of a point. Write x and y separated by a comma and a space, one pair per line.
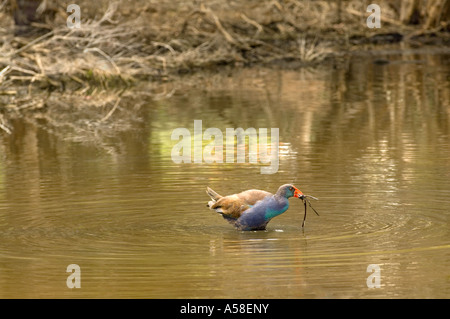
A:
233, 206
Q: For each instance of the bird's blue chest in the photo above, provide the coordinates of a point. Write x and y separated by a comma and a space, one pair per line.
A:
275, 210
259, 215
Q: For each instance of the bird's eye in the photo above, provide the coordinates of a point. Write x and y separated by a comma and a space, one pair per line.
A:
290, 188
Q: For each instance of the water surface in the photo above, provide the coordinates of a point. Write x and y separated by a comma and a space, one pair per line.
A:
370, 140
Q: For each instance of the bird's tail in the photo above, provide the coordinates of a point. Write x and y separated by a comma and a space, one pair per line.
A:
214, 196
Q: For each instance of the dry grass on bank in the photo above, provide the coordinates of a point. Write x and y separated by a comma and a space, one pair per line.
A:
106, 49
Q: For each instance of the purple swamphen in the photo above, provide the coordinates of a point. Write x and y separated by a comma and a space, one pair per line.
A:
252, 209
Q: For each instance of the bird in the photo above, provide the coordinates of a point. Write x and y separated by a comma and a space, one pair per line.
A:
252, 209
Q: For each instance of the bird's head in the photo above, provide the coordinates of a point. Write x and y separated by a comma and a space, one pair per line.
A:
289, 190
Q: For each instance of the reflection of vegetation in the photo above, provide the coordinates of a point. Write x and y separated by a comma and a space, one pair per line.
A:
2, 179
313, 52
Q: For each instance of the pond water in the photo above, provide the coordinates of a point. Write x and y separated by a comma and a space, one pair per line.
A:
370, 139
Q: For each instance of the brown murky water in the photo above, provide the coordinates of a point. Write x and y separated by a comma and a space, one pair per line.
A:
372, 141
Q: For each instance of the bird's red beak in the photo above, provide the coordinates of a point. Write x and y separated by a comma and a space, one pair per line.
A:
298, 193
